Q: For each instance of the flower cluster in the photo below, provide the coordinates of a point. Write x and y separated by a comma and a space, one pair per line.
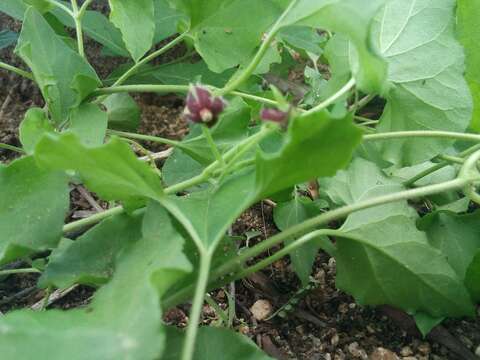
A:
202, 106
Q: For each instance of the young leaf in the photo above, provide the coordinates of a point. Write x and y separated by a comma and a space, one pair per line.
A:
315, 146
292, 213
468, 13
123, 112
33, 204
91, 258
89, 123
33, 127
64, 77
214, 344
111, 170
7, 38
124, 320
426, 65
137, 35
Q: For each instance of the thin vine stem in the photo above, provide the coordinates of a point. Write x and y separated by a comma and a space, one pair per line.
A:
16, 70
197, 304
323, 105
61, 6
421, 134
84, 8
78, 27
149, 58
156, 139
248, 71
19, 271
12, 148
213, 147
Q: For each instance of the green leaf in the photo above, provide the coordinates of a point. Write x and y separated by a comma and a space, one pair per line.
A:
33, 204
7, 38
180, 167
469, 35
351, 18
13, 8
124, 320
426, 323
41, 5
472, 278
456, 236
291, 213
390, 262
64, 77
123, 112
111, 170
137, 35
302, 37
426, 66
166, 20
33, 127
89, 123
91, 258
208, 214
315, 146
225, 32
214, 344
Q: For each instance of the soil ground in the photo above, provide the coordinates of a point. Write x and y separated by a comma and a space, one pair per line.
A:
324, 324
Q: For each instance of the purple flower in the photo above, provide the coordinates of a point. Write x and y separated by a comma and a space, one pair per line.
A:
275, 115
202, 106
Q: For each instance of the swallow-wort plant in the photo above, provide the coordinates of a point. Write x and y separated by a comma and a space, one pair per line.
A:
385, 124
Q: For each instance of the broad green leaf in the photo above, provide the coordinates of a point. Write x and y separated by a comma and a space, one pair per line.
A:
214, 344
391, 262
180, 167
225, 31
472, 279
456, 236
208, 214
89, 123
136, 21
291, 213
33, 127
64, 77
111, 170
13, 8
468, 13
426, 66
166, 20
302, 37
90, 259
317, 145
123, 112
33, 204
7, 38
351, 18
41, 5
425, 323
124, 320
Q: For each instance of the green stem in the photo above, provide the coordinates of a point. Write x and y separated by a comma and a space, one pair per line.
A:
19, 271
92, 220
78, 27
452, 159
144, 137
323, 105
16, 70
197, 305
439, 166
12, 148
83, 8
149, 58
213, 147
61, 6
221, 313
421, 134
248, 71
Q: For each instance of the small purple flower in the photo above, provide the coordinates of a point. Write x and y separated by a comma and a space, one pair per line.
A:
275, 115
202, 106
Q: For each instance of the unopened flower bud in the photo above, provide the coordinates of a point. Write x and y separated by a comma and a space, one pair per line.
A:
202, 106
275, 115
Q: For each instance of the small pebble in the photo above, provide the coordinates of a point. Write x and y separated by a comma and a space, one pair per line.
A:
334, 340
477, 351
261, 309
357, 352
406, 351
383, 354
